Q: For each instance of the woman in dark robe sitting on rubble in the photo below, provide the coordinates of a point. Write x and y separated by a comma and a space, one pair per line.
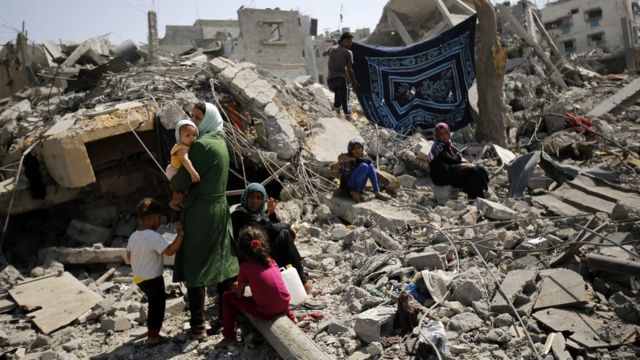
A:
448, 167
251, 211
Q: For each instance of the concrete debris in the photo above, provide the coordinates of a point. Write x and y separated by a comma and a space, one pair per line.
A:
519, 287
561, 287
372, 324
565, 251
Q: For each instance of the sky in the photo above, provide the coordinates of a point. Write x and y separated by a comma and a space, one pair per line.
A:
78, 20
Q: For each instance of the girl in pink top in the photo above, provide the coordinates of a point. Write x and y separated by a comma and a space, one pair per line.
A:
270, 296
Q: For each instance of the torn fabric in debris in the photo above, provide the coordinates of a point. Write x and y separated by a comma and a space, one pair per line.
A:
421, 84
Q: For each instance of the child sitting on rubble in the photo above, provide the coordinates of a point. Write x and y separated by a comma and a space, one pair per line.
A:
144, 252
269, 295
355, 169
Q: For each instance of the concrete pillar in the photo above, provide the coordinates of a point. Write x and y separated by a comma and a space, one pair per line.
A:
153, 38
307, 46
629, 48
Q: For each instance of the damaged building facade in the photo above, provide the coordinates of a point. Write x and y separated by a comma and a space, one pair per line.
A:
578, 26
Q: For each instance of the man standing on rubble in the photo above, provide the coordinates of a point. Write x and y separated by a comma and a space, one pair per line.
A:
341, 65
207, 255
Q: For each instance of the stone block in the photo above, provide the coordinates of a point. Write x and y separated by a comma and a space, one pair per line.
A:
117, 324
88, 233
518, 286
334, 328
465, 322
407, 181
373, 323
220, 63
495, 211
426, 261
260, 93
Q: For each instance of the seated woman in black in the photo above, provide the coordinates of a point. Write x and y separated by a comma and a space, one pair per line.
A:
252, 212
447, 167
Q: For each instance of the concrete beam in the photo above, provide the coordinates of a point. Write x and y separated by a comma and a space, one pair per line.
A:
445, 12
84, 256
395, 22
522, 32
287, 339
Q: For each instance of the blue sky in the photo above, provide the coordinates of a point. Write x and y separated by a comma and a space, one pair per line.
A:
78, 20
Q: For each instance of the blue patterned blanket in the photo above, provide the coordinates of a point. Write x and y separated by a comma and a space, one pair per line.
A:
421, 84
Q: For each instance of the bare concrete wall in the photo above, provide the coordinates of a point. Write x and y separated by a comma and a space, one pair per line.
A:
272, 40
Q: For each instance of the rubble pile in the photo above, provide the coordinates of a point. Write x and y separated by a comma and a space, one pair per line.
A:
549, 274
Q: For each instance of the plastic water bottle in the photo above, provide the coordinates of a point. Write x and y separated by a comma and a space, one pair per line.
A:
294, 285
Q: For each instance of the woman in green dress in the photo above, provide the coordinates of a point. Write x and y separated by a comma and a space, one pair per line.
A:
207, 255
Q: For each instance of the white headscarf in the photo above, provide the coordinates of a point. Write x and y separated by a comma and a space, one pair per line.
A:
182, 123
212, 120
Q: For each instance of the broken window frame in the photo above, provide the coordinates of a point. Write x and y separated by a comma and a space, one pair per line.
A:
593, 42
274, 28
593, 16
573, 46
563, 24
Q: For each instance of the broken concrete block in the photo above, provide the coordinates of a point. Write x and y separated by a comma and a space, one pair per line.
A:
429, 260
503, 320
9, 276
382, 214
334, 328
626, 308
220, 63
469, 287
518, 286
384, 240
117, 325
88, 233
373, 349
625, 210
407, 181
339, 232
279, 130
561, 287
373, 323
465, 322
495, 211
13, 112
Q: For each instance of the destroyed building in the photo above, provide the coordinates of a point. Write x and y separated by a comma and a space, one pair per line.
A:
545, 266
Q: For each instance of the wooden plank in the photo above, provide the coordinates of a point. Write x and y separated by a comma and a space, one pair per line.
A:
59, 300
557, 206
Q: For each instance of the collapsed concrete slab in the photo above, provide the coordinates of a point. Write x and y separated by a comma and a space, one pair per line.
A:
64, 149
382, 214
329, 138
561, 287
